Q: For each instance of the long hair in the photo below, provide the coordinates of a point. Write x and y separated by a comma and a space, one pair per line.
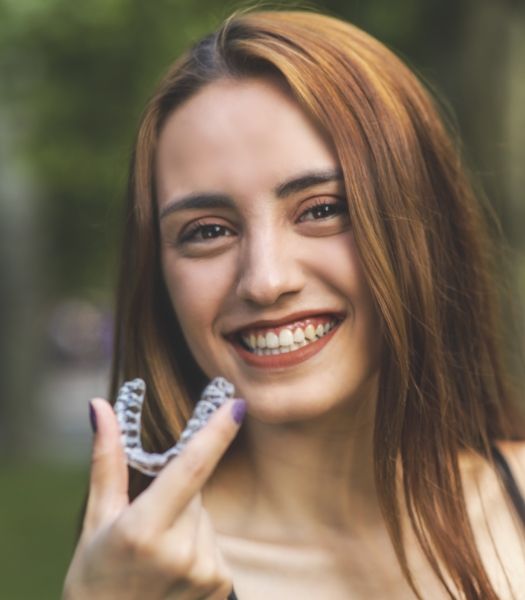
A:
419, 231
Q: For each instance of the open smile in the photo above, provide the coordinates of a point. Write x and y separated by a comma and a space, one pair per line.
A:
286, 344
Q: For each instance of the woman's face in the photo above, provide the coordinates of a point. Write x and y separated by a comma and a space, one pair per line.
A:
258, 253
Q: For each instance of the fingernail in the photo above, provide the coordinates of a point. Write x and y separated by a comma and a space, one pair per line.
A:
238, 411
92, 418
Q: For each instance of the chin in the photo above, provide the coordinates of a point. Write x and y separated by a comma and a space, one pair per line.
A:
293, 405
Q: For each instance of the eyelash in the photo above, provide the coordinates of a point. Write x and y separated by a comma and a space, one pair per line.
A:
338, 205
201, 232
197, 230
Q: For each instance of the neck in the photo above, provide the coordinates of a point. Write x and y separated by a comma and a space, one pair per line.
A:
297, 480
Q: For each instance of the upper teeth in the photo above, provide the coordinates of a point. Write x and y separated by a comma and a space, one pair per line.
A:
288, 338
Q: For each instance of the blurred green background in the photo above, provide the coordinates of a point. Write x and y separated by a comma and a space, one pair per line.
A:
74, 77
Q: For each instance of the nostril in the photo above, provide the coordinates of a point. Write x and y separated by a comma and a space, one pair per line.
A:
264, 289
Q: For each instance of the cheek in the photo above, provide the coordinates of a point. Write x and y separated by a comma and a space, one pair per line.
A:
197, 289
338, 263
342, 270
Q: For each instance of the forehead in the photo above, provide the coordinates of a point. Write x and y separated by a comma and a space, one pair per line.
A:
238, 136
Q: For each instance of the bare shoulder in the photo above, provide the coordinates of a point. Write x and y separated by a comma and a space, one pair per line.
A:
497, 529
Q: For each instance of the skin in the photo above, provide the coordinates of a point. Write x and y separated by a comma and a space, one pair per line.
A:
272, 257
161, 546
291, 510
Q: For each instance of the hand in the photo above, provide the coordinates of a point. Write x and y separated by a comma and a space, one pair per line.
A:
162, 545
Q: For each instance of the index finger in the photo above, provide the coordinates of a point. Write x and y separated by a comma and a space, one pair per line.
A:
108, 488
186, 474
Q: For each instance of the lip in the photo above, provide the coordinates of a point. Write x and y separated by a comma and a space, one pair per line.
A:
288, 319
288, 359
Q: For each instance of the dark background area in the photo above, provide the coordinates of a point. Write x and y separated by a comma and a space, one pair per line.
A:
73, 80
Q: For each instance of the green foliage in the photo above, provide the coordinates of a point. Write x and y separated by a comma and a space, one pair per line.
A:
79, 74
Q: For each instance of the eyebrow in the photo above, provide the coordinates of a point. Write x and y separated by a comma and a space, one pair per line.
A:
283, 190
307, 180
197, 201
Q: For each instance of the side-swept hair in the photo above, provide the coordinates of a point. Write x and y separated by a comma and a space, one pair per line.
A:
424, 248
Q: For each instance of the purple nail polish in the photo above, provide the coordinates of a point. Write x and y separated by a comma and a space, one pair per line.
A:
92, 418
238, 411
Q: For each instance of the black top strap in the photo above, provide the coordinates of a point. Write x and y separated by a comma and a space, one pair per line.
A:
232, 596
509, 482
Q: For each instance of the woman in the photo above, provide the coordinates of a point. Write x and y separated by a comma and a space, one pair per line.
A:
298, 222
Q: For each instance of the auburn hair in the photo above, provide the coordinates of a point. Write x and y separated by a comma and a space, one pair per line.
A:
425, 250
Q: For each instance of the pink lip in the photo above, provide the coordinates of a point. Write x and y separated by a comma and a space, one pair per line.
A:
293, 319
280, 361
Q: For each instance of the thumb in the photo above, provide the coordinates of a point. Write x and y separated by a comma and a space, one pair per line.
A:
108, 487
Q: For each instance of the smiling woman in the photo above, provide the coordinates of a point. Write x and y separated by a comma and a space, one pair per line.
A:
298, 222
276, 242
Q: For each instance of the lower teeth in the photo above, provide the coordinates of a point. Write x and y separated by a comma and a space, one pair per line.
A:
282, 350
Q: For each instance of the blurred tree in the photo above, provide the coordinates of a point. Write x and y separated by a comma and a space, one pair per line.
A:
20, 293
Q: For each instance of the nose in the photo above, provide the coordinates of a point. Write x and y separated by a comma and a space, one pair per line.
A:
269, 269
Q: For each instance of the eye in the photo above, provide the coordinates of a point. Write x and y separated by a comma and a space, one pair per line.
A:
324, 208
204, 232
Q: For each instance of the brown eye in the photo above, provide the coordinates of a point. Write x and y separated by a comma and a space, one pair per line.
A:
208, 232
324, 210
203, 232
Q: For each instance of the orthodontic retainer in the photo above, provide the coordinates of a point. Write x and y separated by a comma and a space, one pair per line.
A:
128, 409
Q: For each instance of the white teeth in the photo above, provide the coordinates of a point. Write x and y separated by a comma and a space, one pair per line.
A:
298, 336
272, 341
309, 332
285, 337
